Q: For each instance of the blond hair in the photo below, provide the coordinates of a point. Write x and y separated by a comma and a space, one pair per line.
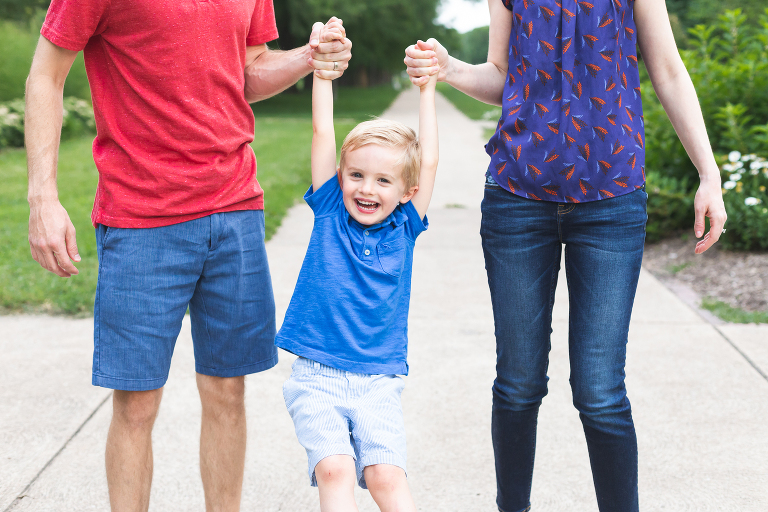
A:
389, 134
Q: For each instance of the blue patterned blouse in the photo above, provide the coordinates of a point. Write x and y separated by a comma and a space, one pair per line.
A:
571, 128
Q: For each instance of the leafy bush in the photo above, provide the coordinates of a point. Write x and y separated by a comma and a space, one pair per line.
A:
728, 63
18, 42
78, 120
745, 179
670, 206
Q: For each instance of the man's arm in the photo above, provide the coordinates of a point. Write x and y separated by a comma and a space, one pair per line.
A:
269, 72
427, 140
675, 90
484, 82
51, 233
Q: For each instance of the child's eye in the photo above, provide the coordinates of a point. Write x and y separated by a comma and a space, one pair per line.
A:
356, 175
384, 180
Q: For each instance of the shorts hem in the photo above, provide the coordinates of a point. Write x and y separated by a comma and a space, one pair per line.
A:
379, 458
239, 371
120, 384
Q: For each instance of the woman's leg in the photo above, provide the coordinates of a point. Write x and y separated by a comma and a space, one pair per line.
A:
522, 258
604, 250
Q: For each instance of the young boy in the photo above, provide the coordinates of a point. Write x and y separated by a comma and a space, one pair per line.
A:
347, 320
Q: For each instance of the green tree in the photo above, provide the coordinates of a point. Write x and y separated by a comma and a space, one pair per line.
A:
474, 46
21, 10
380, 30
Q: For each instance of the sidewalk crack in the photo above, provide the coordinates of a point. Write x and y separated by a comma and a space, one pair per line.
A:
23, 493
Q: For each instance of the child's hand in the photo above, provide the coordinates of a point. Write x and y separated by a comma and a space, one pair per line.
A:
330, 51
426, 62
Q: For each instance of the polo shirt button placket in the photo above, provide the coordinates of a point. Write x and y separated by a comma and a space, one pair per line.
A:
367, 252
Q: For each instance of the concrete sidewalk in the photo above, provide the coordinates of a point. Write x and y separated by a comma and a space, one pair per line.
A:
699, 392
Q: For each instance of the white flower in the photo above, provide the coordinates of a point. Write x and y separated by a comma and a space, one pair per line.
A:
728, 185
751, 201
755, 165
747, 158
728, 167
735, 177
754, 172
734, 156
738, 165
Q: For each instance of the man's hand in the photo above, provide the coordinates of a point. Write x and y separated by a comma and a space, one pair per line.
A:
709, 203
330, 49
52, 237
425, 59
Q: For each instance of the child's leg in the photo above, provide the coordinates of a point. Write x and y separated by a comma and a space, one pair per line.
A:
336, 478
389, 488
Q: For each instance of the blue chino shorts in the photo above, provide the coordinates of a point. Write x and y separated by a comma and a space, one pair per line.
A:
336, 412
216, 265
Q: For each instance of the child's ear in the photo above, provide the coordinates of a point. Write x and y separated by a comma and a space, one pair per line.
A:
409, 194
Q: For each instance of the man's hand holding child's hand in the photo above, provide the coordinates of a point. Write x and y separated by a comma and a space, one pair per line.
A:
330, 49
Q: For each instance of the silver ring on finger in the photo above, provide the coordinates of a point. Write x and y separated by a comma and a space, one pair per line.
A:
335, 66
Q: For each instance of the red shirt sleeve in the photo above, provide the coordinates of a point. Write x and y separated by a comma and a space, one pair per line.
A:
263, 26
71, 23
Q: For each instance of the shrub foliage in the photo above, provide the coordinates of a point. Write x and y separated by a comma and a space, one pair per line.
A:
728, 63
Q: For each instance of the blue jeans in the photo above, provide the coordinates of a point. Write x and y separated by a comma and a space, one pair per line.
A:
522, 242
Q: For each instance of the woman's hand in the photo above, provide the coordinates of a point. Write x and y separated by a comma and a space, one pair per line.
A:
709, 203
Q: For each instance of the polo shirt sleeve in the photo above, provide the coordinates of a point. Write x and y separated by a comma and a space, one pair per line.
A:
69, 24
326, 199
415, 225
263, 26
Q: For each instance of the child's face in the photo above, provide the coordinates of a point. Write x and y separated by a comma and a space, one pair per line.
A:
372, 183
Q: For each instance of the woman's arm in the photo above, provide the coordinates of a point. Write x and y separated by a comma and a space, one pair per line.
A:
675, 90
484, 82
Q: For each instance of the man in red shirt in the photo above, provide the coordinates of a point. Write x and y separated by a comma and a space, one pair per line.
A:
178, 210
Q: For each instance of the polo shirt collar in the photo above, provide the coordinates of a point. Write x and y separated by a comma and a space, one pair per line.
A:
396, 218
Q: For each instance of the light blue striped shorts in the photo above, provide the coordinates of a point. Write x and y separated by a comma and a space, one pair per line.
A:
336, 412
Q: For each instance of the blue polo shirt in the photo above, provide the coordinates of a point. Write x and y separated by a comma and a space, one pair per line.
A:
350, 306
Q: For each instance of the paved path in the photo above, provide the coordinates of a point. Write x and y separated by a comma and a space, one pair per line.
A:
699, 393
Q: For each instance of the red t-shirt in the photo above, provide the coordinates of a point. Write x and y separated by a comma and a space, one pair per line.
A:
167, 81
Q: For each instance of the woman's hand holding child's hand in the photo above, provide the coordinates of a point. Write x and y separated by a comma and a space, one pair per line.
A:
426, 59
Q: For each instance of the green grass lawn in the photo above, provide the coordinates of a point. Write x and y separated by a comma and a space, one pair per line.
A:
471, 107
730, 314
282, 147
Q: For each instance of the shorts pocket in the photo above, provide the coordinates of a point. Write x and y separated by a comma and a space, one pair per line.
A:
392, 256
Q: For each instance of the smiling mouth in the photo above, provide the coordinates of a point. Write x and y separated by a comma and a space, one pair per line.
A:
366, 206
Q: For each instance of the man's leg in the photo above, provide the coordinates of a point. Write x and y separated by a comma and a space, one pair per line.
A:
146, 278
129, 449
389, 488
336, 483
222, 441
232, 313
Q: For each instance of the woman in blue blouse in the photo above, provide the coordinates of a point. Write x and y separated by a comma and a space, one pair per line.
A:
568, 167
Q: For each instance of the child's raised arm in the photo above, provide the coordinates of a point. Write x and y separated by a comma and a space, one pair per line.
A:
427, 140
323, 136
